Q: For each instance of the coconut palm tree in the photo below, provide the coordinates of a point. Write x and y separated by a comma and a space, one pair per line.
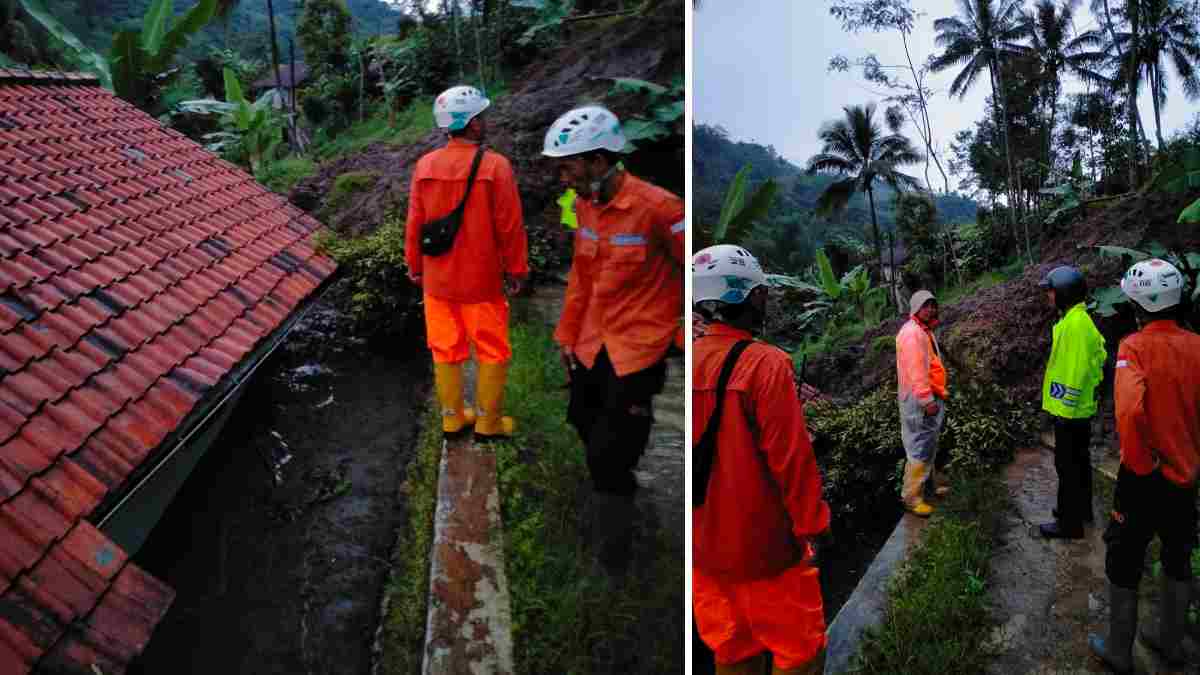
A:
982, 37
1057, 54
1168, 32
857, 147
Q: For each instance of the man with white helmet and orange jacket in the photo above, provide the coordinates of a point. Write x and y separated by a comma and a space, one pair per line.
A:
622, 312
464, 288
1157, 395
756, 488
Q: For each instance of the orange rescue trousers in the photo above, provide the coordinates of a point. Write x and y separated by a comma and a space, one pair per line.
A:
452, 327
783, 615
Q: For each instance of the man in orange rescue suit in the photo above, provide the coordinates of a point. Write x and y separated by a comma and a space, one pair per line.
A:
1157, 394
464, 289
623, 310
756, 488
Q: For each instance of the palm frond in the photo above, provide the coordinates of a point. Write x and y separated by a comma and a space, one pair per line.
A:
836, 196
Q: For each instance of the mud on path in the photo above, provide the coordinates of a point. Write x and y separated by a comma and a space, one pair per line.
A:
1050, 595
286, 577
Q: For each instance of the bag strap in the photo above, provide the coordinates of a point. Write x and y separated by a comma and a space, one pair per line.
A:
471, 179
704, 452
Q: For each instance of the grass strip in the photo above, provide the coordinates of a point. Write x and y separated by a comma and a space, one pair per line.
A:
938, 620
567, 618
406, 595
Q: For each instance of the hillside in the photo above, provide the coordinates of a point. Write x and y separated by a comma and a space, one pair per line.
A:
717, 159
95, 21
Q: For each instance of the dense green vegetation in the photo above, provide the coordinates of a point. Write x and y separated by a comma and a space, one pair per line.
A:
792, 230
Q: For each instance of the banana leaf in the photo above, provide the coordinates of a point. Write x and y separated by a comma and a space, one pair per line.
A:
1191, 214
176, 39
90, 59
830, 283
734, 197
154, 25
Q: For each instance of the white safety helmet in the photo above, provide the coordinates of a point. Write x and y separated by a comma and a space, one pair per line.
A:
1154, 284
457, 106
725, 273
584, 129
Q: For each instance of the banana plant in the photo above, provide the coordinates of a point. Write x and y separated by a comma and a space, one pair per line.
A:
141, 60
738, 213
856, 288
139, 65
251, 130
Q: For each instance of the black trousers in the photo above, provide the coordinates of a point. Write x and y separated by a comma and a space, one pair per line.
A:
1150, 506
1073, 462
613, 416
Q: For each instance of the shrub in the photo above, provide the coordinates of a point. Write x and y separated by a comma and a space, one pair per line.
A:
382, 298
861, 453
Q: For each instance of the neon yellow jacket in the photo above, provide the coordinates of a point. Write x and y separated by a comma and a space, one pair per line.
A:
567, 203
1075, 367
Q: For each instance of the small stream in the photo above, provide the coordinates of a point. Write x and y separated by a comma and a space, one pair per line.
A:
278, 544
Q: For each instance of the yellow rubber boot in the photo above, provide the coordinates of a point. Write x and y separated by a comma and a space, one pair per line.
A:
448, 380
489, 398
915, 473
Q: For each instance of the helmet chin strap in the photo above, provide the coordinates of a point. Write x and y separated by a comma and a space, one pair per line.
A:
597, 185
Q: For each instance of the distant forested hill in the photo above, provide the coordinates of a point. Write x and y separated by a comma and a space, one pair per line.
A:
716, 159
95, 21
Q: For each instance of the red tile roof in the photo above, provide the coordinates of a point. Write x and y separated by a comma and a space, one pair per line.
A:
136, 271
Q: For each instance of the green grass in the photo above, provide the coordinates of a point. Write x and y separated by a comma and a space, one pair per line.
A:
566, 617
411, 124
281, 175
952, 294
407, 590
942, 588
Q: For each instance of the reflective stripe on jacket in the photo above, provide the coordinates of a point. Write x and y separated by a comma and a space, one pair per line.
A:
1075, 367
625, 288
1157, 393
491, 240
764, 492
919, 370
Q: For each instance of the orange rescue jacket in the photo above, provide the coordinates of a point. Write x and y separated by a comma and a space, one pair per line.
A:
919, 369
1157, 393
491, 241
764, 493
625, 288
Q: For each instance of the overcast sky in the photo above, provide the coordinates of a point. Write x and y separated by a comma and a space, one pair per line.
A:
760, 69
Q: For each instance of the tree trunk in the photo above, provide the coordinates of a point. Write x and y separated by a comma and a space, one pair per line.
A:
1134, 117
928, 135
275, 57
1155, 78
998, 98
875, 228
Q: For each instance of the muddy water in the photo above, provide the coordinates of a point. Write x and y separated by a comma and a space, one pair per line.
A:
278, 544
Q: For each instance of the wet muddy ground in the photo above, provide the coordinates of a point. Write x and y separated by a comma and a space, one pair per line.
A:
278, 544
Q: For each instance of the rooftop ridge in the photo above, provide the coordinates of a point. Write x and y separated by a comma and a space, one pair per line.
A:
27, 76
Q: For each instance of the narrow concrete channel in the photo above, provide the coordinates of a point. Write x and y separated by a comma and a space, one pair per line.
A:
278, 544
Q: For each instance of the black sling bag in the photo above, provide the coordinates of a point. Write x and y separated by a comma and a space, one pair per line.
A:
437, 235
